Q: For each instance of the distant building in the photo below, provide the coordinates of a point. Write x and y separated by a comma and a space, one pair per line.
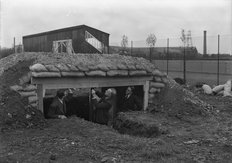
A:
78, 39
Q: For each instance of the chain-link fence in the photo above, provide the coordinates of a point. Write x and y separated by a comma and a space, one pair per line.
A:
207, 60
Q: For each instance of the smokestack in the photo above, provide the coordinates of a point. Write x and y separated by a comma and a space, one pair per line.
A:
204, 44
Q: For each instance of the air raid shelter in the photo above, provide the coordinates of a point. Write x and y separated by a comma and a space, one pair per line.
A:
77, 39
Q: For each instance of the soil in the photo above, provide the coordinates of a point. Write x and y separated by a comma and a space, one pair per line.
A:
189, 133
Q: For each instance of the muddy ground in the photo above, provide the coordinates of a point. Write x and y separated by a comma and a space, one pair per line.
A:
200, 139
187, 133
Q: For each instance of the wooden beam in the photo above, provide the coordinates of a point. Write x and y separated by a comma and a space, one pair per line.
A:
89, 82
146, 93
40, 97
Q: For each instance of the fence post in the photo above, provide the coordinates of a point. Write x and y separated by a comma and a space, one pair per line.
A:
167, 53
218, 59
14, 46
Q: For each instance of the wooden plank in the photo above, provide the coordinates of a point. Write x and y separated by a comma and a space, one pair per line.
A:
146, 93
40, 97
90, 107
88, 82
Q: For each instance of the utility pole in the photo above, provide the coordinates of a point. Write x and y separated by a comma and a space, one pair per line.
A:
184, 39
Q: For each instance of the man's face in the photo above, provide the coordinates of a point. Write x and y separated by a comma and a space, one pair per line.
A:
128, 91
108, 94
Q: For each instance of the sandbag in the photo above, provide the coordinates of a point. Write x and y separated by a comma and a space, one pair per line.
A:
103, 67
29, 88
131, 67
121, 66
34, 105
137, 73
148, 68
218, 88
82, 67
227, 88
93, 67
164, 79
45, 74
156, 85
62, 67
74, 74
156, 72
139, 67
32, 99
16, 87
117, 73
27, 94
52, 68
153, 90
38, 68
95, 73
207, 89
157, 79
72, 67
151, 96
25, 79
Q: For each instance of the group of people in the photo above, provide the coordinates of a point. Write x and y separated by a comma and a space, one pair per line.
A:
104, 105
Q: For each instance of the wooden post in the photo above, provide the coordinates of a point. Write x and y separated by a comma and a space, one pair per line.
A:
40, 97
145, 98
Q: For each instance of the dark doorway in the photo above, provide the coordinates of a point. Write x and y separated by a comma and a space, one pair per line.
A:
138, 91
77, 105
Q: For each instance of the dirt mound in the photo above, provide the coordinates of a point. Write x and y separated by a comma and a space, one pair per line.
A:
137, 124
14, 109
176, 100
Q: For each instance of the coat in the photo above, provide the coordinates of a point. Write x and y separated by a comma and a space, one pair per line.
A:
56, 108
102, 111
131, 103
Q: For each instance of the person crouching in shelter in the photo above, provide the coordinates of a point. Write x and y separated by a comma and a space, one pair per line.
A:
57, 108
131, 101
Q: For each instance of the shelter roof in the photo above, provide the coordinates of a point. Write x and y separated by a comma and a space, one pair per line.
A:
81, 65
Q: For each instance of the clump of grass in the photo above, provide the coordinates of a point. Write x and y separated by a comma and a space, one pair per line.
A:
159, 152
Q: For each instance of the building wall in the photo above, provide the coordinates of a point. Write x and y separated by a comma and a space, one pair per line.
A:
44, 42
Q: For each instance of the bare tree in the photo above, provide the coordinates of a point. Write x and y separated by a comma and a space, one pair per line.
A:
151, 40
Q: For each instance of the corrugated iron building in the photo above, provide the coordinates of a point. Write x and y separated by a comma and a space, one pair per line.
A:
78, 39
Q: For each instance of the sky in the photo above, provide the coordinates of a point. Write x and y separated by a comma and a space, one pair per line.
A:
134, 18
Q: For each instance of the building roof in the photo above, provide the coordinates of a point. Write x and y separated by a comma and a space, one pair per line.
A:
62, 30
81, 65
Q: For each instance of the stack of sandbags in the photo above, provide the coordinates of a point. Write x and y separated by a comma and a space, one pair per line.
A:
227, 89
28, 91
81, 65
158, 82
